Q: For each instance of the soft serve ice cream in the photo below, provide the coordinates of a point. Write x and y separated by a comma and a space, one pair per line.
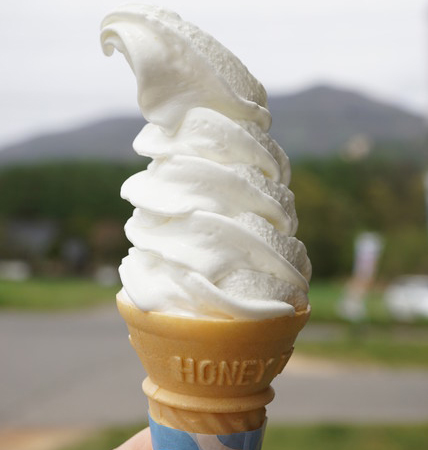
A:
214, 221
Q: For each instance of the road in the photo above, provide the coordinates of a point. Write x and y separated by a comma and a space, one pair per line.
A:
78, 370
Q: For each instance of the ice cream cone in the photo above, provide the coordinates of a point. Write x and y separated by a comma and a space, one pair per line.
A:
206, 375
213, 227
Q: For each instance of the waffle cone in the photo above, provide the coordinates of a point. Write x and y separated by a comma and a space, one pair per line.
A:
206, 375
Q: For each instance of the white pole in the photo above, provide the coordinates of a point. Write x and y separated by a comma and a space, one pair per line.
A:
425, 176
426, 194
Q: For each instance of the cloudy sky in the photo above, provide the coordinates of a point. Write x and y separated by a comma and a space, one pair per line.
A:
54, 75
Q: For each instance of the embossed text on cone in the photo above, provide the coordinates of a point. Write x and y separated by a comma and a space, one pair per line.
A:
210, 376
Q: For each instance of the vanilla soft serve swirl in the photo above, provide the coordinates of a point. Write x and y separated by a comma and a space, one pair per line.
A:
214, 221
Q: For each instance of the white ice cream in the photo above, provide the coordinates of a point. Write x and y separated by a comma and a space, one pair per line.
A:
214, 221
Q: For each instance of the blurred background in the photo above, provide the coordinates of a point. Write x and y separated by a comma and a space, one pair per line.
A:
348, 92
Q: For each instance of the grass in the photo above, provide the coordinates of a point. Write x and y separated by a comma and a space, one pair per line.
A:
325, 296
373, 350
304, 437
373, 341
349, 437
54, 293
59, 293
379, 338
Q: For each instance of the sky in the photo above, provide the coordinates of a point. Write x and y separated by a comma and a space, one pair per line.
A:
54, 75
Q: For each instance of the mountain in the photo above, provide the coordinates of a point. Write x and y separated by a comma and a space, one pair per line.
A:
320, 120
109, 139
323, 119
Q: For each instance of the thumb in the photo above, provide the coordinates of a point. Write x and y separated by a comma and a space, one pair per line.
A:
141, 441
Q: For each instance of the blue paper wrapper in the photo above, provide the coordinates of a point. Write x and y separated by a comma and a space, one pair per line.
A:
165, 438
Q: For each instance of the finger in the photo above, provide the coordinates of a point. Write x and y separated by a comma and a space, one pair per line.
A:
141, 441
